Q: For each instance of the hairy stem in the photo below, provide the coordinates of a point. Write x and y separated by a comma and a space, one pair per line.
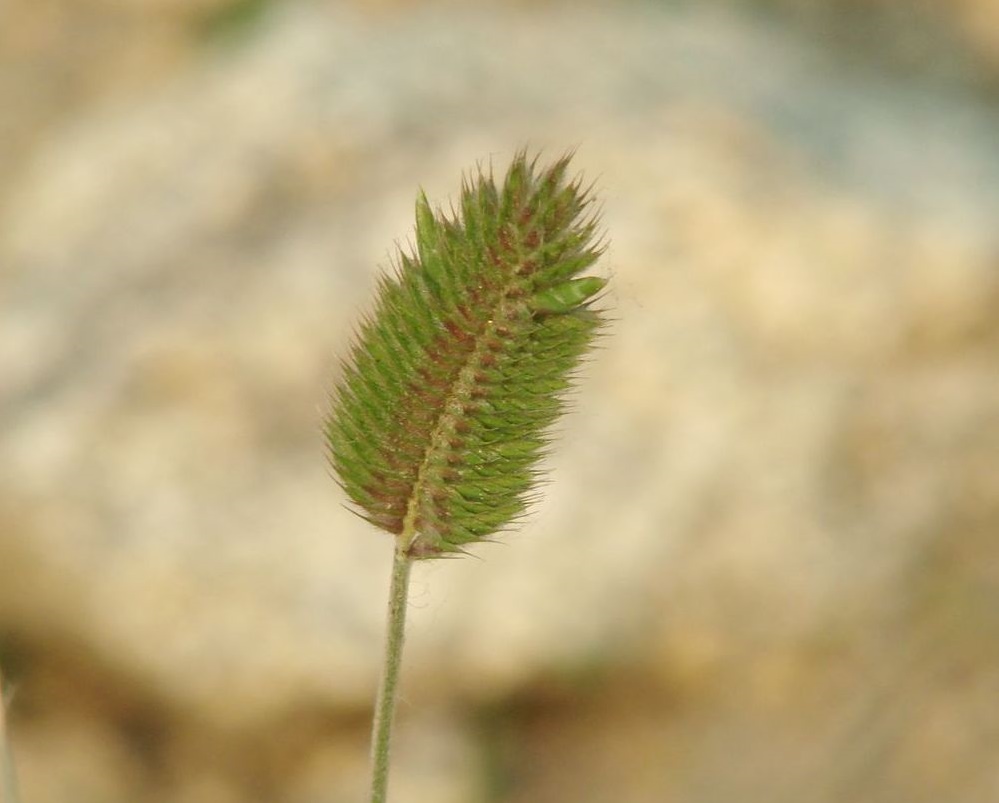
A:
381, 732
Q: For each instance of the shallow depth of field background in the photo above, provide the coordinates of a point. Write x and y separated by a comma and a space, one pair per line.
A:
766, 567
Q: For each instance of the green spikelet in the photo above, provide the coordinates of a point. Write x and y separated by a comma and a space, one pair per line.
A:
441, 412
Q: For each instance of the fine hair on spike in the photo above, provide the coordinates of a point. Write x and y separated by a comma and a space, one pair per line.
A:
446, 401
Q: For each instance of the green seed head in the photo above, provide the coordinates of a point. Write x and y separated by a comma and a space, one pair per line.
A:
441, 413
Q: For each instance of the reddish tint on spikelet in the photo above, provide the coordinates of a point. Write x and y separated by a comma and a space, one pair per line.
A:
441, 413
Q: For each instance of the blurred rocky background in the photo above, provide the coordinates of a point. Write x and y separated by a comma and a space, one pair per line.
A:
767, 564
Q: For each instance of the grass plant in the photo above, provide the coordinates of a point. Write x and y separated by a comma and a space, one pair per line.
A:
446, 398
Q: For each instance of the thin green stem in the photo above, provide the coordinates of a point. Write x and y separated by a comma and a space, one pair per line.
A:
8, 779
381, 732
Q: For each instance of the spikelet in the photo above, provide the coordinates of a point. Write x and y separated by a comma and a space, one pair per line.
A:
441, 412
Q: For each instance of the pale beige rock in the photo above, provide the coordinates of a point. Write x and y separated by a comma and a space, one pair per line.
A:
436, 762
75, 758
795, 404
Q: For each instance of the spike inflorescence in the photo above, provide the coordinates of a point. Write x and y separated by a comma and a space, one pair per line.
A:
441, 413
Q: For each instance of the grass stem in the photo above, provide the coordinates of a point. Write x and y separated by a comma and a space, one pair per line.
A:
381, 733
8, 779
